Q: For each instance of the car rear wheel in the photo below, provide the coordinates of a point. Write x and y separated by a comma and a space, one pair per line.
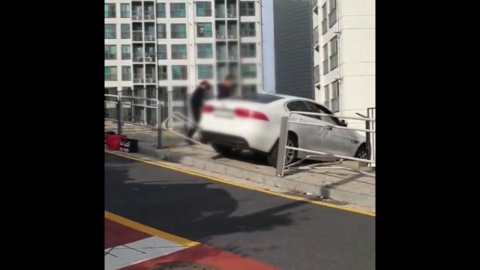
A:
362, 152
290, 155
222, 149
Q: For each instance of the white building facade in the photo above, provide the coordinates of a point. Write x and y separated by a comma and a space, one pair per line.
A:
344, 55
174, 44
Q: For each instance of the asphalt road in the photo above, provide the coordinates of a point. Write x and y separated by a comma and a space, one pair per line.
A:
287, 234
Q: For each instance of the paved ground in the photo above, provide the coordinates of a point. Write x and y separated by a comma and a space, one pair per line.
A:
352, 186
275, 231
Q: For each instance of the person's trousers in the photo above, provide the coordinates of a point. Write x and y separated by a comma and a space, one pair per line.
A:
196, 120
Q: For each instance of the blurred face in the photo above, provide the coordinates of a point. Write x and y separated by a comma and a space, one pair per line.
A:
204, 86
229, 83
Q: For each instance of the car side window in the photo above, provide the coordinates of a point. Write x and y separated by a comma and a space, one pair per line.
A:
296, 106
313, 109
328, 119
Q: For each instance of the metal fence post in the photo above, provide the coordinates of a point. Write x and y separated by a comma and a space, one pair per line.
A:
159, 125
368, 136
282, 142
119, 113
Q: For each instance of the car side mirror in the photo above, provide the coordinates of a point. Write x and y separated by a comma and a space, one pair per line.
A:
344, 123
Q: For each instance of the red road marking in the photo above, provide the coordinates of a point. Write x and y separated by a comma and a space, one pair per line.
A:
116, 234
207, 256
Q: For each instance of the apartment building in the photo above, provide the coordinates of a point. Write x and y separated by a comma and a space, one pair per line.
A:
172, 45
292, 20
344, 55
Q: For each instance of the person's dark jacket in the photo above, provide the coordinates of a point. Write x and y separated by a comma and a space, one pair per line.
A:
223, 91
196, 102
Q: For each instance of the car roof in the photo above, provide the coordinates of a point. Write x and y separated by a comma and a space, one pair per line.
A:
288, 97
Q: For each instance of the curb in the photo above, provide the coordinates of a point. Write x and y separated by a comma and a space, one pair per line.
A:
273, 181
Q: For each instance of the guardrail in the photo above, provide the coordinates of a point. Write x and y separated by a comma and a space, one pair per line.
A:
284, 128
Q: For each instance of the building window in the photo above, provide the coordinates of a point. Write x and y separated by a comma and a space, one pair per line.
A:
125, 31
162, 73
333, 53
179, 73
110, 11
177, 10
110, 73
249, 71
161, 31
327, 97
324, 19
179, 30
247, 29
325, 59
316, 74
249, 90
124, 10
161, 11
204, 9
204, 30
204, 51
126, 73
247, 8
249, 50
110, 31
205, 72
335, 101
126, 52
179, 51
110, 52
162, 51
332, 15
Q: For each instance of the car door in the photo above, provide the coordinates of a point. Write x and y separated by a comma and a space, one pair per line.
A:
340, 141
309, 135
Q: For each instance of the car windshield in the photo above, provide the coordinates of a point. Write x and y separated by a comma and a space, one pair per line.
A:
258, 98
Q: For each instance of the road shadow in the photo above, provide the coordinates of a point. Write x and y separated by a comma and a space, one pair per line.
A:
198, 210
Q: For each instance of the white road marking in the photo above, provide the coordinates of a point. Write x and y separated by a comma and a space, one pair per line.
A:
139, 251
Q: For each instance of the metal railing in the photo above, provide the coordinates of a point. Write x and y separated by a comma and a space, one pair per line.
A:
148, 112
284, 128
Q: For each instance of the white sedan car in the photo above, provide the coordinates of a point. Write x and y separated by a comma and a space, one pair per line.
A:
253, 123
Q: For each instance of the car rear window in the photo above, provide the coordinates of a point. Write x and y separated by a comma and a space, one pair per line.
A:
258, 98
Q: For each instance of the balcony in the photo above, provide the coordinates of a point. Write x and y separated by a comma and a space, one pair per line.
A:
332, 17
110, 56
149, 37
110, 77
138, 58
220, 13
149, 15
324, 26
232, 34
162, 76
150, 57
136, 15
126, 56
333, 61
150, 78
335, 102
110, 14
232, 56
316, 74
221, 56
232, 13
220, 35
315, 36
137, 35
325, 66
137, 79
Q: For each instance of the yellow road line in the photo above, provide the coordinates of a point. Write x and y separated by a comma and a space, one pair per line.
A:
216, 179
149, 230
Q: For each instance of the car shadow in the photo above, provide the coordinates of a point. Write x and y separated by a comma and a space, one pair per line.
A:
195, 209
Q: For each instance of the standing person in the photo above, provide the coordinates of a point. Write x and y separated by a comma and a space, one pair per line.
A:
225, 89
196, 104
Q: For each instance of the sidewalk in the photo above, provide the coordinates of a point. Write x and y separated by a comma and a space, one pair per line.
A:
335, 182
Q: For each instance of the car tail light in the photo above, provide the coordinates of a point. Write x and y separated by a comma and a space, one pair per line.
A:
243, 113
208, 109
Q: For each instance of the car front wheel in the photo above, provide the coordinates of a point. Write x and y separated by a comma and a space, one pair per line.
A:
222, 149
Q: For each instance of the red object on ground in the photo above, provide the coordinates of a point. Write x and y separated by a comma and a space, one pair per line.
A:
113, 141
